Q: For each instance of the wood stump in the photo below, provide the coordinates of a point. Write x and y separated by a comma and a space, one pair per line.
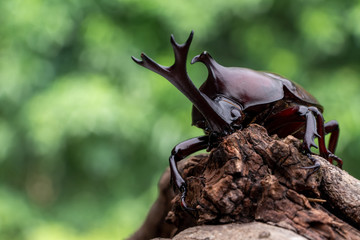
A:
253, 177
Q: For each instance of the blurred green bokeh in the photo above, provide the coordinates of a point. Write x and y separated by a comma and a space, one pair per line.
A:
86, 133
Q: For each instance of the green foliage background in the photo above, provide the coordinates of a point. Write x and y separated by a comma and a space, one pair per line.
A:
85, 133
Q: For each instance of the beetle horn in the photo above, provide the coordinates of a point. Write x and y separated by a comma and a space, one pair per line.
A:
177, 75
203, 57
209, 62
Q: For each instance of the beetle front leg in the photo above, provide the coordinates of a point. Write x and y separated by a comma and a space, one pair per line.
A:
179, 152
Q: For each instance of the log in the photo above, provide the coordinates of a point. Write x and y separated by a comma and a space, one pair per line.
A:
253, 177
254, 230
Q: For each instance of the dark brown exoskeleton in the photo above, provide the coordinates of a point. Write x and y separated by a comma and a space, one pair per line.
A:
232, 97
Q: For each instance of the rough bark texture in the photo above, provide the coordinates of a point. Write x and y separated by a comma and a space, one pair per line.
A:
253, 177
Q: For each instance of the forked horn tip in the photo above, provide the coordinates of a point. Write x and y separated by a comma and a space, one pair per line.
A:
188, 41
136, 60
143, 57
191, 33
190, 36
172, 39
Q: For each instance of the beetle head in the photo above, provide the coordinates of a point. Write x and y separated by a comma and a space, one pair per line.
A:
227, 109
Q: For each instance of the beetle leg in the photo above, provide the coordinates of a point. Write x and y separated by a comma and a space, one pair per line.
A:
332, 127
179, 152
315, 161
311, 128
324, 152
311, 131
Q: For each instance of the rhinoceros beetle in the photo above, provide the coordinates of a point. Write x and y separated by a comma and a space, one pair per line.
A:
233, 97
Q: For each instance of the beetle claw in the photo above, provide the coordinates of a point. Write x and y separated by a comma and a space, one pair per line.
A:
138, 61
337, 159
183, 191
313, 144
316, 165
307, 146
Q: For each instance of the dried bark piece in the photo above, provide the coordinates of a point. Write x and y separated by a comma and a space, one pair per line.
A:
251, 177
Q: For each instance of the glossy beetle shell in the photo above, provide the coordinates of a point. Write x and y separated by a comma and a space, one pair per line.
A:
248, 87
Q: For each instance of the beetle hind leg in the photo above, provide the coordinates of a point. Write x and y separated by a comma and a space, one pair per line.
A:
332, 128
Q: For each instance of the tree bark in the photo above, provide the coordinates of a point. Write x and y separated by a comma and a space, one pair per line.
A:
252, 177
